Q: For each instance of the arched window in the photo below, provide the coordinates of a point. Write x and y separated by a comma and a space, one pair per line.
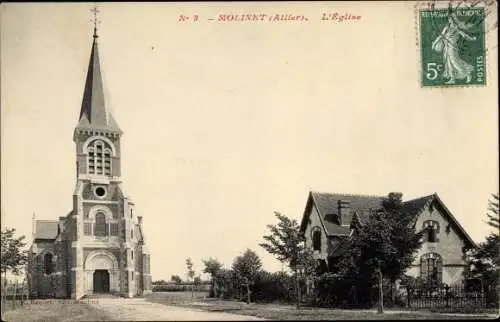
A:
316, 238
100, 225
431, 267
48, 263
431, 228
99, 158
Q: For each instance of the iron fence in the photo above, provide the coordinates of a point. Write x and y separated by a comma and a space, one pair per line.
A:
448, 298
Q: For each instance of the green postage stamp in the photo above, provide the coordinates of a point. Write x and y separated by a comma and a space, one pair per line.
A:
452, 47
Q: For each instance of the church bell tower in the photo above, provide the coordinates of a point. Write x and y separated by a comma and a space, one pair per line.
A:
107, 233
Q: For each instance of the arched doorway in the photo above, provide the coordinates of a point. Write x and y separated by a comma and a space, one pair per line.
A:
101, 281
101, 273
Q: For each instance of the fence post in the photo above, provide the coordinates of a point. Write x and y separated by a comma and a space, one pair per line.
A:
408, 296
2, 296
447, 295
22, 294
14, 295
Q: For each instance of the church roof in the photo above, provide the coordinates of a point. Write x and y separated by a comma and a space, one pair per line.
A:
46, 229
94, 114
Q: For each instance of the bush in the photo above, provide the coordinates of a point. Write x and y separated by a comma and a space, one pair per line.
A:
180, 287
267, 287
273, 287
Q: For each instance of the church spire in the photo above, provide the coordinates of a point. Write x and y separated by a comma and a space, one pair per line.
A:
93, 113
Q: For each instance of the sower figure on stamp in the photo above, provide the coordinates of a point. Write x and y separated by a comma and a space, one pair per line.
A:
447, 42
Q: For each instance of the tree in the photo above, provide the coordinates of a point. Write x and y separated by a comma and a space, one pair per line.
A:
246, 267
190, 273
287, 244
160, 282
197, 280
13, 254
176, 279
225, 283
212, 267
494, 215
485, 259
385, 245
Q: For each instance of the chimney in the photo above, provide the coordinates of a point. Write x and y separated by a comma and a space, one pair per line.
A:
139, 219
395, 195
344, 212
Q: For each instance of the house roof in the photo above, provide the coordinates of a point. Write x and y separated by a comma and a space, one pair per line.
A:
46, 229
415, 206
341, 246
327, 206
361, 207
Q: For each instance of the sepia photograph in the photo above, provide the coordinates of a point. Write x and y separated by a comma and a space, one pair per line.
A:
253, 160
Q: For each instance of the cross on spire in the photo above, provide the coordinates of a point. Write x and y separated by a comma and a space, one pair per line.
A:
95, 19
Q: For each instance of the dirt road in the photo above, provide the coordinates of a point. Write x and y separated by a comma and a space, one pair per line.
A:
138, 309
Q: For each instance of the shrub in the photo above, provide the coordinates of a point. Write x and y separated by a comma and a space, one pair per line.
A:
267, 287
272, 287
170, 287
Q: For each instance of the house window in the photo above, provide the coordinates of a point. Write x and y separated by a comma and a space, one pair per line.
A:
431, 268
431, 228
431, 235
48, 263
131, 233
316, 238
100, 225
99, 158
132, 253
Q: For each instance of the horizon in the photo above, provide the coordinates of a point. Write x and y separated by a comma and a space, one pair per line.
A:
224, 124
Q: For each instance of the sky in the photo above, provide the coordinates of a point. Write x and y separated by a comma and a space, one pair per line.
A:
226, 122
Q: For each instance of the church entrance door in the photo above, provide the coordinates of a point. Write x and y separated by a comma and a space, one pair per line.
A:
101, 281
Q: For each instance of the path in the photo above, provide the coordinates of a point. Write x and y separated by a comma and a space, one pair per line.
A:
138, 309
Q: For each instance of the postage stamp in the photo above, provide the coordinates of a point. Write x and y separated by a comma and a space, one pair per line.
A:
452, 46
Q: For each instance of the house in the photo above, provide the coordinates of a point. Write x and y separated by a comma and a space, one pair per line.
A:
329, 220
99, 246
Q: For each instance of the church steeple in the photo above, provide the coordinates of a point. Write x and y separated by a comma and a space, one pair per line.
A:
94, 114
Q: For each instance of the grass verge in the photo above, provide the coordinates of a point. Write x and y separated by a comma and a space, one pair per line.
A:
201, 301
54, 310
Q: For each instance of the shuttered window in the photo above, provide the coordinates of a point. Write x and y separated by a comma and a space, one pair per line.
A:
99, 158
114, 229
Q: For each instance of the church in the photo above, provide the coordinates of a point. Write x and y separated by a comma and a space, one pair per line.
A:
99, 246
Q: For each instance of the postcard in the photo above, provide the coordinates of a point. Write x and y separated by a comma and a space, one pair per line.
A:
249, 160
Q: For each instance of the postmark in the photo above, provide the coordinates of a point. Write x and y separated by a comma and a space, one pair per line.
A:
452, 46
